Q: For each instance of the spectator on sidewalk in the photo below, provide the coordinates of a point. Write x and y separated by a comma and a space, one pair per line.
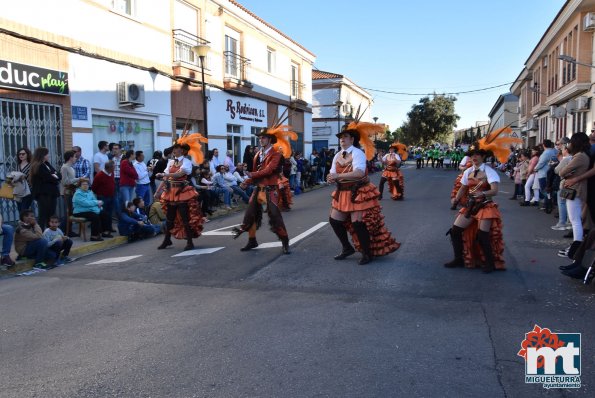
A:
85, 205
157, 156
58, 244
132, 225
232, 182
69, 180
157, 216
529, 186
82, 167
104, 187
100, 158
248, 158
24, 166
45, 184
116, 157
141, 210
220, 186
214, 160
128, 177
563, 223
228, 162
542, 166
7, 236
29, 241
143, 182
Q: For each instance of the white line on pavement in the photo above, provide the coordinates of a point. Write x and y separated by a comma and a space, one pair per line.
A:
196, 252
115, 260
301, 236
220, 231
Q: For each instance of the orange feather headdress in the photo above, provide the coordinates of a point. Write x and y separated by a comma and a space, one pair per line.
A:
194, 142
498, 142
280, 134
401, 149
361, 132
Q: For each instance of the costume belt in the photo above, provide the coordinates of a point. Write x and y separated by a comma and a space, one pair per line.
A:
267, 188
391, 168
352, 185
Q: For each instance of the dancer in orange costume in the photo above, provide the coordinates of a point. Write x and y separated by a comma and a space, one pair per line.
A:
355, 207
463, 165
397, 152
178, 197
476, 234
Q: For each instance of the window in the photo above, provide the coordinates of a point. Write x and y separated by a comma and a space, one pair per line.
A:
232, 62
234, 141
295, 80
271, 60
253, 138
124, 6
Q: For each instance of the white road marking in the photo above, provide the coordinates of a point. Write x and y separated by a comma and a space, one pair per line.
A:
301, 236
196, 252
220, 231
115, 260
503, 191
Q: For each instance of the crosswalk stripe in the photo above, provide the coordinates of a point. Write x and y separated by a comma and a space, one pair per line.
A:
115, 260
301, 236
220, 231
196, 252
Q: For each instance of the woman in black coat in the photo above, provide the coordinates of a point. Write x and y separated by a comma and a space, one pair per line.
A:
44, 180
248, 158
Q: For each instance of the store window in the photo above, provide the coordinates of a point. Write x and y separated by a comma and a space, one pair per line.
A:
234, 141
135, 134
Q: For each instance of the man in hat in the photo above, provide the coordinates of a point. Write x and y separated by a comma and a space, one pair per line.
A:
179, 198
267, 165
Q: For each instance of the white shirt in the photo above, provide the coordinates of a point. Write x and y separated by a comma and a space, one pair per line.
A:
238, 177
385, 157
464, 161
358, 161
229, 163
101, 159
186, 165
490, 173
143, 173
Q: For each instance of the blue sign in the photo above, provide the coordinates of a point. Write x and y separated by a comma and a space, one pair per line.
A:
79, 113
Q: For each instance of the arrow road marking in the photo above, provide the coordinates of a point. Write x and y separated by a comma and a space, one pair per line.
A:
220, 231
115, 260
196, 252
301, 236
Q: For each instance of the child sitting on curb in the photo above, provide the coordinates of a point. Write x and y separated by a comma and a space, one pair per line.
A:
132, 225
58, 243
29, 241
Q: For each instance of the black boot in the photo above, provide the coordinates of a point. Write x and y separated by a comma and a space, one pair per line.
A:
573, 248
483, 237
189, 243
364, 241
252, 243
166, 242
456, 238
399, 191
285, 245
576, 273
341, 232
381, 187
569, 266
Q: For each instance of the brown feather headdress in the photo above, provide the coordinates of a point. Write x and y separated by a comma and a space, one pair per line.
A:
193, 141
498, 142
401, 149
280, 135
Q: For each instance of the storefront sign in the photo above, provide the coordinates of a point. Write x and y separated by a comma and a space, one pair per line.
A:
245, 111
79, 113
31, 78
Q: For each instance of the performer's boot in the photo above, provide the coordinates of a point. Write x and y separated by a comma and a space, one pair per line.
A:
285, 245
166, 241
252, 243
364, 241
381, 187
341, 232
483, 237
456, 237
189, 243
399, 191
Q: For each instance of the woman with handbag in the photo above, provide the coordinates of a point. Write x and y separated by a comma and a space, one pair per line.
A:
45, 181
24, 166
576, 195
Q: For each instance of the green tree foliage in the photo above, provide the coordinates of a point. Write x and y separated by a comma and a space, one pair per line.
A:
429, 121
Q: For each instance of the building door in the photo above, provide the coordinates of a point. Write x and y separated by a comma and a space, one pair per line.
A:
234, 141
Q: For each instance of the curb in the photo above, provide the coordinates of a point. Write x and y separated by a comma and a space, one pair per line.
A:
94, 247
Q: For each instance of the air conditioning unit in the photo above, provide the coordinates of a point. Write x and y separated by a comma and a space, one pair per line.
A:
544, 62
583, 103
131, 94
571, 105
532, 124
589, 22
347, 109
557, 112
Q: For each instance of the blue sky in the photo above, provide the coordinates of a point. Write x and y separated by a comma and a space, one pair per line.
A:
417, 47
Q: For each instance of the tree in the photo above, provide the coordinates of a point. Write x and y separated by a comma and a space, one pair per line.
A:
431, 120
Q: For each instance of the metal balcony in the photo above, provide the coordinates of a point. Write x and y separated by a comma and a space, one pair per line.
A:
183, 54
236, 67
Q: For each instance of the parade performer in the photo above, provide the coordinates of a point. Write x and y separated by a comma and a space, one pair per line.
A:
463, 165
179, 199
355, 207
476, 234
397, 152
267, 165
285, 197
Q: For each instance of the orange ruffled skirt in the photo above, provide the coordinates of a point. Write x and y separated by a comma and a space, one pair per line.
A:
184, 194
472, 253
458, 184
391, 176
366, 201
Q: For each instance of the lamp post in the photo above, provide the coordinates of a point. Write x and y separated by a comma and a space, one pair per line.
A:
202, 50
375, 134
338, 104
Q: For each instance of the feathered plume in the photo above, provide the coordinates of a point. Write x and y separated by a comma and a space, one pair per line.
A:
283, 134
401, 150
499, 141
365, 130
194, 141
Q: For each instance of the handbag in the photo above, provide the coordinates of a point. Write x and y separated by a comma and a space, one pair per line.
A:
568, 193
6, 191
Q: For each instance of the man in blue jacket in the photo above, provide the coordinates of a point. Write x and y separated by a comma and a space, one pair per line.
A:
549, 153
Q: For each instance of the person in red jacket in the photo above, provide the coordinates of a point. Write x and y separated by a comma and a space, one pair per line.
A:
104, 186
128, 177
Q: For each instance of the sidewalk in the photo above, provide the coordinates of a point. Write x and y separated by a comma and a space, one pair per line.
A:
81, 248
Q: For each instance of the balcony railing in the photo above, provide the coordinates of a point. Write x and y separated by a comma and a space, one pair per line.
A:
183, 43
236, 66
297, 89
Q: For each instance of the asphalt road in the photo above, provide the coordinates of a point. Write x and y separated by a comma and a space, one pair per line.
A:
263, 324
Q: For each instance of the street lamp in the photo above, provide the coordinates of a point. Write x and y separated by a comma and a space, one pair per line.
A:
338, 104
572, 60
201, 51
375, 134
